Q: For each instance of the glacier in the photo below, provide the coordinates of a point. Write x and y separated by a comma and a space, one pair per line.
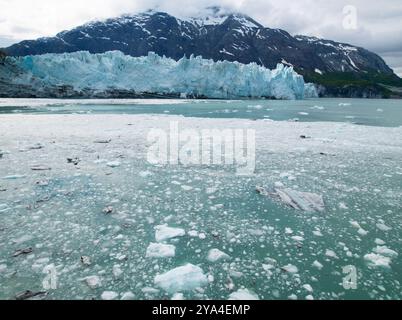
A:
101, 75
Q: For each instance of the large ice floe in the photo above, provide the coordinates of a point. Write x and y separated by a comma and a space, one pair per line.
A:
185, 278
304, 201
113, 72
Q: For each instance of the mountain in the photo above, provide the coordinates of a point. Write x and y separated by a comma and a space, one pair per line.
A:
219, 35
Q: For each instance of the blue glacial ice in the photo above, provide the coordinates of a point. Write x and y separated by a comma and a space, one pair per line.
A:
188, 77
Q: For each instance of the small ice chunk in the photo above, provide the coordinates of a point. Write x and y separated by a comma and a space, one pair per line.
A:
310, 297
305, 201
383, 227
193, 234
178, 297
14, 177
109, 295
386, 252
164, 233
377, 260
288, 231
362, 232
158, 250
3, 268
331, 254
117, 271
93, 282
216, 255
290, 268
318, 233
279, 184
308, 288
114, 164
318, 265
298, 239
128, 296
185, 278
243, 295
379, 242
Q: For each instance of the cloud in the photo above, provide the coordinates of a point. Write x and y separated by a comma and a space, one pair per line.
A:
378, 23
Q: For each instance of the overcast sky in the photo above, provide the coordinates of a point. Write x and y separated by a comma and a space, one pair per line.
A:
379, 23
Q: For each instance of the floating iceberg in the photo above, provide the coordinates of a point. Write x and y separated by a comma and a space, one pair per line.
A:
158, 250
113, 73
163, 233
216, 255
243, 295
298, 200
185, 278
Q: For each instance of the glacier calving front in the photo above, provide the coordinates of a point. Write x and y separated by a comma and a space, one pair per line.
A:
192, 76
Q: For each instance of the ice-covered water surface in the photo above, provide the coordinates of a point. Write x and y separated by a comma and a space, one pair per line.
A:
133, 230
383, 113
113, 71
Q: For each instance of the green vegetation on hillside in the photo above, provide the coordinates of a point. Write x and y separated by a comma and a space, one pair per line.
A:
374, 81
3, 56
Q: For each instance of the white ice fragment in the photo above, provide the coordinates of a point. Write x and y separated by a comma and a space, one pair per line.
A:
318, 233
384, 251
117, 271
93, 282
193, 234
331, 254
3, 268
128, 296
279, 184
145, 174
318, 265
298, 239
185, 278
14, 177
243, 295
158, 250
383, 227
310, 297
308, 288
290, 268
216, 255
288, 231
362, 232
178, 297
164, 233
109, 295
113, 164
379, 242
377, 260
304, 201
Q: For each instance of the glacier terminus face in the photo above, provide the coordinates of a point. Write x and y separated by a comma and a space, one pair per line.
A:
194, 77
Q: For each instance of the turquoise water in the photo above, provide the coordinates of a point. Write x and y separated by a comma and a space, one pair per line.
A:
386, 113
59, 213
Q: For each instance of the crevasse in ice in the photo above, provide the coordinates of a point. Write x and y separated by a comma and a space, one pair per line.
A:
192, 76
